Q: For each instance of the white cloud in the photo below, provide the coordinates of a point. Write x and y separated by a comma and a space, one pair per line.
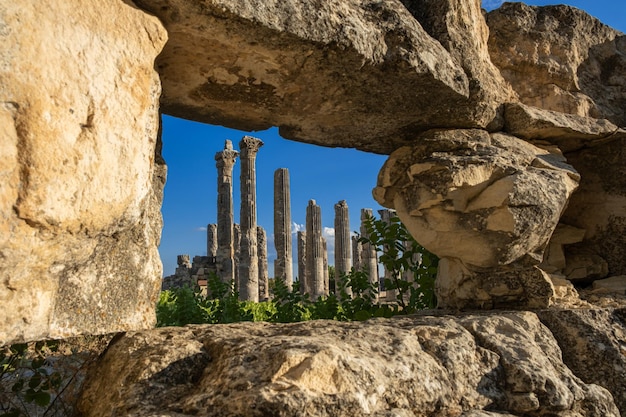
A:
295, 228
328, 232
200, 229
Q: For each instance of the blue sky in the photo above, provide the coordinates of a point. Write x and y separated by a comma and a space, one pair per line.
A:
326, 175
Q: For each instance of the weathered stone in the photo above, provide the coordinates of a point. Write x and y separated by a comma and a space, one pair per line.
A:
343, 244
314, 251
461, 286
225, 161
593, 342
412, 366
554, 256
80, 175
496, 197
384, 77
211, 240
612, 285
599, 207
569, 132
283, 265
302, 272
563, 60
357, 253
460, 27
248, 257
343, 247
264, 288
369, 257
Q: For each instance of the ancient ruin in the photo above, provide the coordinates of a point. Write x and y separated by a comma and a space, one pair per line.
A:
248, 259
283, 265
225, 160
314, 249
505, 135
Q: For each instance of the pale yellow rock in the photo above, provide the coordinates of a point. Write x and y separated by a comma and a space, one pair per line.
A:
410, 366
80, 179
486, 193
349, 73
560, 58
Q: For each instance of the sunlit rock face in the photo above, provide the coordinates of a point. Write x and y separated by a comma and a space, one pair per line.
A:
409, 367
81, 183
560, 58
485, 201
350, 73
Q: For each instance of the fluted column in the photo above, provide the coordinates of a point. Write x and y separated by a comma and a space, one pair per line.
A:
314, 251
225, 160
248, 260
211, 240
283, 266
325, 266
385, 216
263, 271
343, 245
357, 253
302, 273
369, 255
237, 252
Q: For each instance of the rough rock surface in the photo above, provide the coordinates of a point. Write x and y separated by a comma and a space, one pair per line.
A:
593, 342
81, 182
599, 207
475, 365
349, 73
498, 198
560, 58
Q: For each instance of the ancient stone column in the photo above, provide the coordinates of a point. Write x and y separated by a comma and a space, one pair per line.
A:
302, 274
357, 253
248, 259
283, 266
237, 252
385, 216
261, 236
314, 251
370, 258
343, 248
211, 240
325, 258
225, 160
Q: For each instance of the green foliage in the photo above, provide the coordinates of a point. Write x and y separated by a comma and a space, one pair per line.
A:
355, 297
401, 255
290, 306
27, 377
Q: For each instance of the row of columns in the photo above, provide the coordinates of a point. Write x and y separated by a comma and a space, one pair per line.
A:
241, 250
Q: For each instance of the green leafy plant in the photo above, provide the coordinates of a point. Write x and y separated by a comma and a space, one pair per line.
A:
411, 268
29, 377
290, 306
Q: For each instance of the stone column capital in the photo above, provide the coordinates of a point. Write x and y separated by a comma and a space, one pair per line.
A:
249, 146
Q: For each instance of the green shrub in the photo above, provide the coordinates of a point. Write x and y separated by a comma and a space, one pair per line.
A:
400, 254
27, 378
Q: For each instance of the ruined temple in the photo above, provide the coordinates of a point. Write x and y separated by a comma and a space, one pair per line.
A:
505, 140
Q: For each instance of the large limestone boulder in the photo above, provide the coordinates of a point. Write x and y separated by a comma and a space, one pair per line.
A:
349, 73
476, 365
81, 180
482, 202
560, 58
